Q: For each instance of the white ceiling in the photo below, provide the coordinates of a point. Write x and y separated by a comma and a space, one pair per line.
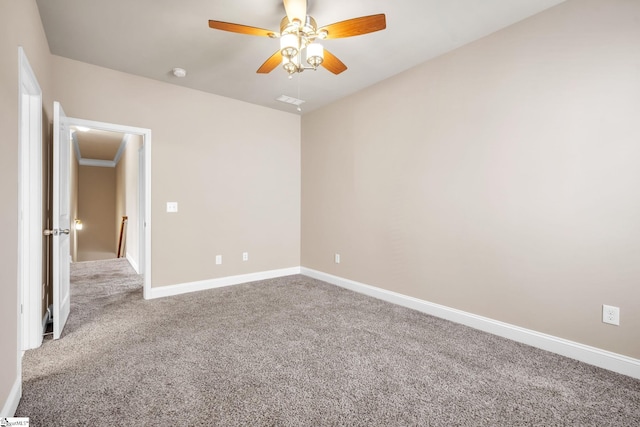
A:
150, 37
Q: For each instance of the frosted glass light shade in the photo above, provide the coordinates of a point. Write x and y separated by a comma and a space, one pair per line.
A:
315, 54
289, 45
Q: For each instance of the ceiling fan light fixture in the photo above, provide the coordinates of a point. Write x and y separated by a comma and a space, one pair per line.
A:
309, 27
299, 32
292, 65
289, 45
289, 67
315, 54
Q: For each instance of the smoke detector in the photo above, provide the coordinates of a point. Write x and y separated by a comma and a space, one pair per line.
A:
179, 72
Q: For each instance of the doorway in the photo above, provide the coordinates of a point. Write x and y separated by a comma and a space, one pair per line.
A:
32, 325
140, 256
104, 190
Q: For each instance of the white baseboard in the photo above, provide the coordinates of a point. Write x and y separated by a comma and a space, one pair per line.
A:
594, 356
183, 288
133, 263
11, 404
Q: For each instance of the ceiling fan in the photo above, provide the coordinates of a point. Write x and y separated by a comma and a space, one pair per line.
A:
299, 33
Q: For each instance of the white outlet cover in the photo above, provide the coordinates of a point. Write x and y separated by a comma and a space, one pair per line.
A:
245, 256
218, 259
611, 314
172, 207
337, 258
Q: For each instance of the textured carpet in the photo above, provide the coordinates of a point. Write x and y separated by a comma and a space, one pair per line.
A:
296, 352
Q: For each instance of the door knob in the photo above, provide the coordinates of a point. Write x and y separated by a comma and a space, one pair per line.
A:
56, 232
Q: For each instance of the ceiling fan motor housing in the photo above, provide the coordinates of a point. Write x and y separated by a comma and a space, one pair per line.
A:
307, 32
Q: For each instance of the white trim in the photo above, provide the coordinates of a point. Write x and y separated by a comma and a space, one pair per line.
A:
141, 210
133, 263
11, 404
76, 146
145, 219
183, 288
107, 126
97, 163
121, 148
30, 207
584, 353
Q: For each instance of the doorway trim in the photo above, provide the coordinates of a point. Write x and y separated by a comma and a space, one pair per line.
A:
144, 176
30, 238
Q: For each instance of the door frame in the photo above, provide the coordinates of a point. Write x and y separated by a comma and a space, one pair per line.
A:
30, 194
142, 209
144, 176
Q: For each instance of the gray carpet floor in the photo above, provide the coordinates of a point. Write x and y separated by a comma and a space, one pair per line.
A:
295, 351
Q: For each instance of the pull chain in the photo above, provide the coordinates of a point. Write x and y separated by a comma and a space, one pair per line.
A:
299, 78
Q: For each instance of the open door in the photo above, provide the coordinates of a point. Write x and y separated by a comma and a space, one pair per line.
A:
61, 220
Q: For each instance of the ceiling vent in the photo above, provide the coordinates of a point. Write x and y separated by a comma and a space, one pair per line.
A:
290, 100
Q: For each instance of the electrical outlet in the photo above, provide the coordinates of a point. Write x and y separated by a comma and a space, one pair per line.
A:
611, 314
218, 259
336, 258
245, 256
172, 207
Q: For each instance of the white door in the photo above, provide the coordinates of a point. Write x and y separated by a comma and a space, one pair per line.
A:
61, 220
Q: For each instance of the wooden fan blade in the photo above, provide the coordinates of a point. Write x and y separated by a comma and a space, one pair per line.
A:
242, 29
332, 63
296, 9
355, 26
271, 63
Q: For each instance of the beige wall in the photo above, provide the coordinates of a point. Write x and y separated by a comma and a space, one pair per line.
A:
19, 26
120, 201
501, 179
127, 197
233, 167
97, 210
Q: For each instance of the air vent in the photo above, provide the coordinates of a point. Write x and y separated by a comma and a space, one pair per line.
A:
290, 100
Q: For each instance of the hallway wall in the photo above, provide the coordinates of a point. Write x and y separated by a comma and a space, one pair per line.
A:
127, 171
97, 210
